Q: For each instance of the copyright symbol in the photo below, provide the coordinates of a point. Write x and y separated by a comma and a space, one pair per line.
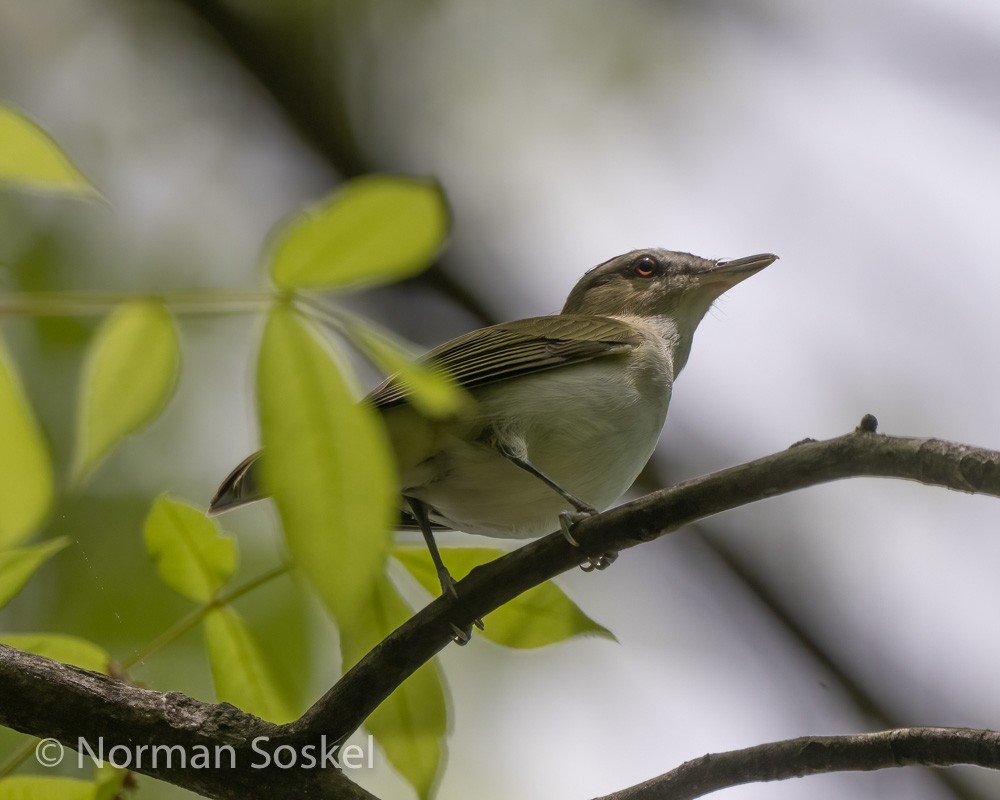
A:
49, 752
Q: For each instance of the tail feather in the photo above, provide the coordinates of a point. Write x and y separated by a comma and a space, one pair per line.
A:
239, 488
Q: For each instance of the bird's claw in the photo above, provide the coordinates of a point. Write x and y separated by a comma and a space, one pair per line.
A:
567, 520
603, 561
460, 636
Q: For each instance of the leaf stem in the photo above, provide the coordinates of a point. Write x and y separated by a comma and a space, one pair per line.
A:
189, 621
84, 304
18, 757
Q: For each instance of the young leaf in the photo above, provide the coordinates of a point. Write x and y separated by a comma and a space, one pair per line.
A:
240, 672
18, 564
410, 725
431, 392
128, 378
25, 470
36, 787
375, 229
30, 157
68, 649
191, 554
541, 616
326, 462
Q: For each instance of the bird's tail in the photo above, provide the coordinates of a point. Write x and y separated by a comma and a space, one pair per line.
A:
239, 488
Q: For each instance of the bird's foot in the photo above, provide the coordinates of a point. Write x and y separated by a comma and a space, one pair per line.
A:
461, 636
603, 561
447, 583
567, 520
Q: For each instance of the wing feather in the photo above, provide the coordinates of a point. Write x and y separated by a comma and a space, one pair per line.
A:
515, 349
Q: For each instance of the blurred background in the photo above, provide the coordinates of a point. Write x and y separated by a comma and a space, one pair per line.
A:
857, 140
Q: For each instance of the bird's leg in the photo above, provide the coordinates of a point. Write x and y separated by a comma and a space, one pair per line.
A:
567, 519
583, 510
419, 510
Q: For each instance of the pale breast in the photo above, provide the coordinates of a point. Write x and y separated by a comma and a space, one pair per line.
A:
590, 427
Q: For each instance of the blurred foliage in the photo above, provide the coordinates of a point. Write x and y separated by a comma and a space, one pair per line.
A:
327, 463
375, 229
25, 470
411, 723
30, 158
130, 373
44, 788
68, 649
541, 616
18, 564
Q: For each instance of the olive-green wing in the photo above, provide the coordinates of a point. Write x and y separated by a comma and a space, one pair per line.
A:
515, 349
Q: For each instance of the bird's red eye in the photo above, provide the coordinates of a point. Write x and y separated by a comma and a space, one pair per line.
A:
645, 267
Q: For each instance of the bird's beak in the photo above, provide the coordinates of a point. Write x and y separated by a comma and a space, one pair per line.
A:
732, 272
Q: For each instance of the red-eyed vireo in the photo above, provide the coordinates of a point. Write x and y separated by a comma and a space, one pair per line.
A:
568, 408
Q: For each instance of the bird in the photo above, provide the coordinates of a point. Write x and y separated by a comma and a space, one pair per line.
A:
567, 409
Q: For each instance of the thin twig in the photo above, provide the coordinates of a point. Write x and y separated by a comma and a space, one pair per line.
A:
814, 755
93, 304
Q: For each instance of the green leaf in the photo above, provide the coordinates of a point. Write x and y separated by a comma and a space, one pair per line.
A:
30, 157
540, 616
410, 725
240, 671
68, 649
34, 787
18, 564
129, 376
25, 470
375, 229
326, 462
433, 393
108, 782
191, 554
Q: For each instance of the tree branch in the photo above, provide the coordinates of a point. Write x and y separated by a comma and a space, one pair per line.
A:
876, 713
814, 755
862, 453
44, 698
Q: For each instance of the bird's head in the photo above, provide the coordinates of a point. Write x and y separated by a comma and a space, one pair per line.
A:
677, 288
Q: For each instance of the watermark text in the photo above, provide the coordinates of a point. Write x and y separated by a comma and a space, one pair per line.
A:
263, 754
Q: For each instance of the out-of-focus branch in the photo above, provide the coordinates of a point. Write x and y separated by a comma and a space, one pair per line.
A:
813, 755
279, 50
